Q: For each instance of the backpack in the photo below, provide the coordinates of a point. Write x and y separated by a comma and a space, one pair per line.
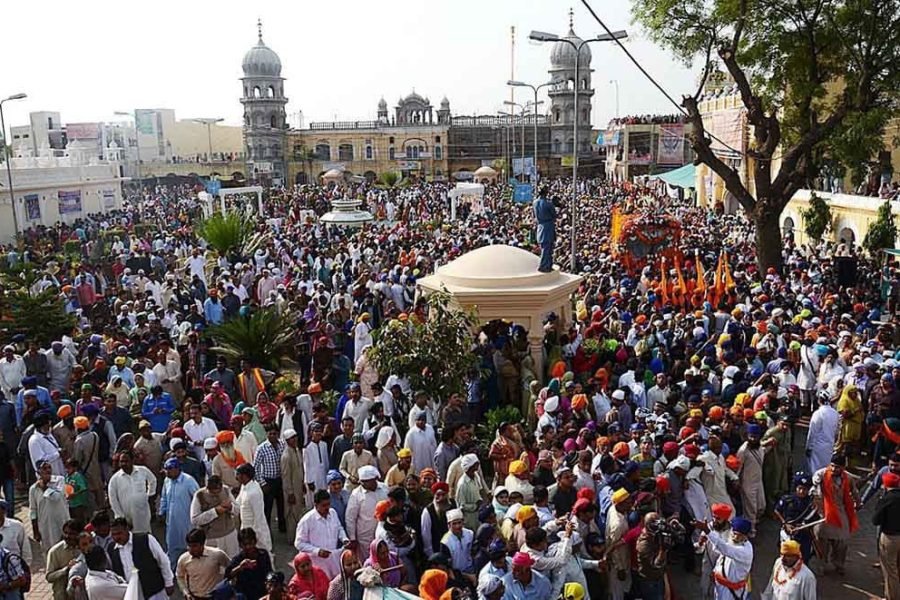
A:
26, 570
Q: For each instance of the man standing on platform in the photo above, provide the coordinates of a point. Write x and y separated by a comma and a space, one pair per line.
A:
545, 218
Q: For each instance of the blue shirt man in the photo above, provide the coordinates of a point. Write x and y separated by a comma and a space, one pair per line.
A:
213, 311
545, 217
523, 582
31, 387
157, 409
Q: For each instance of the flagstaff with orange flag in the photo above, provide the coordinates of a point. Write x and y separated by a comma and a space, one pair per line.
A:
663, 281
701, 274
682, 288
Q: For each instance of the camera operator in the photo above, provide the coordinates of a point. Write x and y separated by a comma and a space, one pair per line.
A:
651, 559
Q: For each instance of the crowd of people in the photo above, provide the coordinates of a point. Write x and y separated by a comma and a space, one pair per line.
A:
662, 432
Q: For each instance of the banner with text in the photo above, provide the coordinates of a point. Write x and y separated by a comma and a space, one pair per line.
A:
671, 144
69, 202
32, 207
109, 199
728, 128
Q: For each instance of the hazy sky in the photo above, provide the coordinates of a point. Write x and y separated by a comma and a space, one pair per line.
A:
90, 58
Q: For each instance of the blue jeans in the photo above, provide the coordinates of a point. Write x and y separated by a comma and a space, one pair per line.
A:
9, 494
651, 589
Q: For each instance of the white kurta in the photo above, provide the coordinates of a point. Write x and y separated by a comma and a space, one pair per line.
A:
251, 510
44, 447
714, 478
801, 586
49, 508
227, 543
314, 533
422, 444
360, 516
315, 467
129, 496
735, 561
695, 496
199, 432
246, 444
823, 431
362, 337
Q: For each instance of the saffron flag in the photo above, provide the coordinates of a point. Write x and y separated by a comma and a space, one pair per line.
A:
663, 281
701, 276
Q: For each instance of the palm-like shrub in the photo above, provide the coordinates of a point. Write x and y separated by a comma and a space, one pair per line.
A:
231, 233
265, 338
389, 178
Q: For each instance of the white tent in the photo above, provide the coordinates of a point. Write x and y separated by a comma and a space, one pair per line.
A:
474, 192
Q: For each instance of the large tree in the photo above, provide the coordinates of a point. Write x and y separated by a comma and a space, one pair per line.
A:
819, 79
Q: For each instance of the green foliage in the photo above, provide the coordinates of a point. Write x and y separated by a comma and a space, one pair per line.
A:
72, 247
499, 165
817, 218
231, 233
389, 178
41, 317
266, 338
436, 354
486, 430
883, 232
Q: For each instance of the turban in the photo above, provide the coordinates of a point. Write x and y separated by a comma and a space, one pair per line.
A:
579, 401
428, 471
518, 467
225, 437
716, 412
237, 420
754, 430
468, 461
733, 462
581, 505
573, 590
440, 486
89, 410
586, 493
662, 484
551, 404
890, 480
721, 511
333, 475
696, 412
172, 463
749, 414
621, 450
488, 585
670, 447
367, 473
524, 513
82, 423
692, 451
685, 432
521, 559
454, 515
381, 509
210, 443
434, 583
790, 548
404, 453
741, 525
178, 432
64, 411
620, 496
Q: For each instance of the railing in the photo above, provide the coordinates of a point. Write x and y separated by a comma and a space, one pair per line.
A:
332, 125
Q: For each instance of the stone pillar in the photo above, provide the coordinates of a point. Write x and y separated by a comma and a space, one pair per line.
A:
536, 347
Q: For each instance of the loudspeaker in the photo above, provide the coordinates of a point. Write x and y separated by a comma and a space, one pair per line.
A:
846, 267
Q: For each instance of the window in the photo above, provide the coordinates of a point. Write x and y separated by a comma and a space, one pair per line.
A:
270, 93
391, 153
438, 173
323, 151
273, 121
391, 140
557, 146
556, 115
256, 92
437, 139
345, 152
584, 115
438, 152
369, 153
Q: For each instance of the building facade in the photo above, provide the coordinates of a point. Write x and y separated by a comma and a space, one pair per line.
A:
265, 117
645, 146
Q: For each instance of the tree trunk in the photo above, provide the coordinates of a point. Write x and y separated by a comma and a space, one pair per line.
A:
768, 239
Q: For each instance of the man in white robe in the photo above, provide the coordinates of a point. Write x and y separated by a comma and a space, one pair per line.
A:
315, 462
752, 454
130, 489
822, 434
715, 474
421, 440
791, 579
320, 534
251, 508
360, 517
732, 570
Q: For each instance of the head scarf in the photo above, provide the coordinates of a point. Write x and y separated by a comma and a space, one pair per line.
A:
391, 578
433, 584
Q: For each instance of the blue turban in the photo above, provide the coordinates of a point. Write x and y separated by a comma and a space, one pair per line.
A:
333, 475
741, 525
172, 463
754, 430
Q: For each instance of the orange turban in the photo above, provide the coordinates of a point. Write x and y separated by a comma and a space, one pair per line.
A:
621, 450
225, 437
381, 509
65, 411
82, 423
433, 584
579, 401
314, 388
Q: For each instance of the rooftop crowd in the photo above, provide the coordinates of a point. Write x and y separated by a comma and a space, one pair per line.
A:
661, 436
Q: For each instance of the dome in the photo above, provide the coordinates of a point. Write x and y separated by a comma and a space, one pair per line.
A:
382, 104
485, 171
445, 103
563, 54
414, 97
260, 60
498, 266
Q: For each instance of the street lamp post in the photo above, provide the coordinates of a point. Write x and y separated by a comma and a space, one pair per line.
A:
615, 82
209, 123
7, 155
535, 90
541, 36
510, 139
137, 142
512, 104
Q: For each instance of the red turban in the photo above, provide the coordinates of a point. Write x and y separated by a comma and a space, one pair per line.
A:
721, 511
440, 485
692, 451
662, 484
580, 505
890, 480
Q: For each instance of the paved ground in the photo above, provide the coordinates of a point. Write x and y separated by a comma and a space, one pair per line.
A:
861, 580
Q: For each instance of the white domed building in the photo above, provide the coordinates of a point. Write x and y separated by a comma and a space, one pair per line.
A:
562, 95
265, 119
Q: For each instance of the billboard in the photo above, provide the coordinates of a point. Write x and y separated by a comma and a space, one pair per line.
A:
69, 202
523, 192
83, 131
727, 127
670, 150
32, 207
109, 199
517, 166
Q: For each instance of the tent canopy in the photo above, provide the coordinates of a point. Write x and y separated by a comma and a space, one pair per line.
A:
893, 251
683, 177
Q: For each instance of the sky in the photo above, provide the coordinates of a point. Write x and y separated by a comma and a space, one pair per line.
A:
90, 58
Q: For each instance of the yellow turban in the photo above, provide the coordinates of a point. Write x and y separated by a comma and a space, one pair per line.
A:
524, 513
741, 399
620, 495
791, 548
573, 591
404, 453
518, 467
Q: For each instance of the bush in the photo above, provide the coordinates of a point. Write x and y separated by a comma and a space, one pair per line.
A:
817, 218
266, 338
883, 232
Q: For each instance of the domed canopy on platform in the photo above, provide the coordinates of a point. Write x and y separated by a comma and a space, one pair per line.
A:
260, 60
503, 282
346, 212
333, 175
485, 171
